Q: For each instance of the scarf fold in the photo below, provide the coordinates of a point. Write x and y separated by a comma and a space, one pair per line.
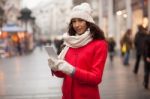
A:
74, 42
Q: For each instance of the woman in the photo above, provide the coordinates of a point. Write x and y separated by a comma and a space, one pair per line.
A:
81, 62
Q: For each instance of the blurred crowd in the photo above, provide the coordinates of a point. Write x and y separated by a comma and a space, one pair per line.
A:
140, 44
14, 45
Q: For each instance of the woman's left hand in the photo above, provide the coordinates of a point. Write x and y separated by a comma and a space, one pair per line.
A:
53, 64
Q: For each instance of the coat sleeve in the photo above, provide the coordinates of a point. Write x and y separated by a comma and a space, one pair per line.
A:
147, 47
94, 76
58, 74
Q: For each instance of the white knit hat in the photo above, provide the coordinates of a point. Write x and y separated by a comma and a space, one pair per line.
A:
82, 11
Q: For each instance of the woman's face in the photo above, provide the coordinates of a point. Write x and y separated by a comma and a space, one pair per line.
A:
79, 25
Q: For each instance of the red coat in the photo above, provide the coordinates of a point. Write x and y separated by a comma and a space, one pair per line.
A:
89, 62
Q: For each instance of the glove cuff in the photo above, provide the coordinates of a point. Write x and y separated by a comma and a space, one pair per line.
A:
73, 72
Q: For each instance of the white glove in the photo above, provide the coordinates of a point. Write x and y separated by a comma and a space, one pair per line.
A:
52, 64
65, 67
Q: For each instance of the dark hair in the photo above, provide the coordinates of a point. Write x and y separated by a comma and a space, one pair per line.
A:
95, 31
128, 32
140, 27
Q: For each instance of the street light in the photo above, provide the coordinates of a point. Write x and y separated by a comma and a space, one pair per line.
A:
26, 16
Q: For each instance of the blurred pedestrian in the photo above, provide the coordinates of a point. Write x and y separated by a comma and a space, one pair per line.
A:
126, 45
139, 45
146, 61
81, 62
111, 47
40, 44
58, 44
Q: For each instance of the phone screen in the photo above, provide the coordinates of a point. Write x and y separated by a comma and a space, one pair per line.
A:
51, 52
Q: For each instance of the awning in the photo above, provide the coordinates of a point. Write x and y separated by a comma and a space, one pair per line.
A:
12, 28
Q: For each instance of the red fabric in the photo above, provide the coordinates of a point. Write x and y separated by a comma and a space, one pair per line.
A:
89, 62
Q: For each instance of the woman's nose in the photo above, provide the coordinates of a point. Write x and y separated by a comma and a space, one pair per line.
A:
76, 24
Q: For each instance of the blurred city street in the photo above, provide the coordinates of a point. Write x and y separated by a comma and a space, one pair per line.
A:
29, 77
26, 26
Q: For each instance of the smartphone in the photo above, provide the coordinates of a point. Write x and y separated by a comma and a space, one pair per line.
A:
51, 52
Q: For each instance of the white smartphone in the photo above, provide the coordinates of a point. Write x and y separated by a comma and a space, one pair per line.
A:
51, 52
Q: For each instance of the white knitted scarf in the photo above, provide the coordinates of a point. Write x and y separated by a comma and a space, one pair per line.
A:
74, 42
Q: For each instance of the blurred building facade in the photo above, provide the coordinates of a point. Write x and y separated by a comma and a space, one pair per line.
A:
51, 17
113, 16
12, 9
14, 36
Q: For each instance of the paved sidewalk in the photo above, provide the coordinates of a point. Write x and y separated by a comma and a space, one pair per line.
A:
119, 81
29, 77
